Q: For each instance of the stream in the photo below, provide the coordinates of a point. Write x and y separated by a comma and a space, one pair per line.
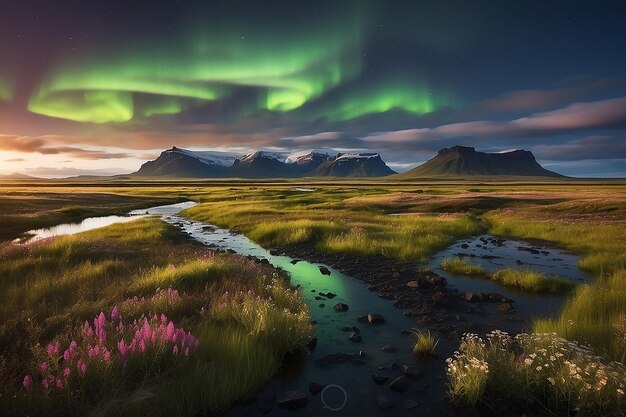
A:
353, 391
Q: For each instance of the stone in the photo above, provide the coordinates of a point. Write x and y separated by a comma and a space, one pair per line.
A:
464, 246
324, 270
384, 402
341, 307
373, 318
315, 388
292, 400
356, 330
355, 337
295, 261
379, 379
412, 371
322, 305
400, 384
412, 284
362, 319
389, 348
506, 307
440, 298
330, 295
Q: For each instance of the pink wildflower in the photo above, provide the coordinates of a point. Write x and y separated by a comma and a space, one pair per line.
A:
115, 314
66, 373
53, 348
175, 350
44, 383
81, 366
171, 334
27, 382
59, 383
43, 368
187, 352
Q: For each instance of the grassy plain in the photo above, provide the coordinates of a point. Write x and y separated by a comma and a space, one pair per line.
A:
403, 221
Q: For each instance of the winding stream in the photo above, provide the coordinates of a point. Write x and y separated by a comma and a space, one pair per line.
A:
367, 357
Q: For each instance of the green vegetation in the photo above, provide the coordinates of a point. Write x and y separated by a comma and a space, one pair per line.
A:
532, 281
170, 319
526, 280
554, 374
462, 267
425, 344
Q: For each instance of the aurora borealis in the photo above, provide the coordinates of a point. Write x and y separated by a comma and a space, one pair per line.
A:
403, 78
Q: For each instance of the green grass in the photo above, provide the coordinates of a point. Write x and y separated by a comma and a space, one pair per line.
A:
425, 344
532, 281
245, 316
461, 266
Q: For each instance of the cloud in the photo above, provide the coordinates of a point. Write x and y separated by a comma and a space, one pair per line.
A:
41, 145
603, 114
538, 99
15, 160
591, 147
62, 172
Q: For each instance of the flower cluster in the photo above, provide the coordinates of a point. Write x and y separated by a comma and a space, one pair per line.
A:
102, 343
542, 367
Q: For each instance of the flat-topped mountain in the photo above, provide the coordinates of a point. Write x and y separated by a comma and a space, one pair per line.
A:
466, 161
183, 163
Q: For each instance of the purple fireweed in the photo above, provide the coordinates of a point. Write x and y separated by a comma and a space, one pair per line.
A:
27, 382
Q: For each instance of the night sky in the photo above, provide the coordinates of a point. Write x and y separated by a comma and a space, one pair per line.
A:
101, 86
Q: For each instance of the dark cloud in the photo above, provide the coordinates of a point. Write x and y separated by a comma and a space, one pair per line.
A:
591, 147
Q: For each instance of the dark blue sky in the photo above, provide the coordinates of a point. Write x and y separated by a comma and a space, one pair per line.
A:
103, 85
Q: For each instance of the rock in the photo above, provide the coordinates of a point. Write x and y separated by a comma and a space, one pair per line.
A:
472, 297
410, 404
292, 399
324, 270
519, 262
356, 330
464, 246
412, 371
379, 379
361, 354
318, 298
330, 295
314, 322
412, 284
389, 348
322, 305
494, 297
355, 337
395, 275
362, 319
295, 261
440, 298
506, 307
313, 290
315, 388
312, 343
264, 261
375, 319
433, 280
384, 402
341, 307
400, 384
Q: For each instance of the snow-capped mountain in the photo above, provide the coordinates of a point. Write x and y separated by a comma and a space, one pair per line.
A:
184, 163
353, 164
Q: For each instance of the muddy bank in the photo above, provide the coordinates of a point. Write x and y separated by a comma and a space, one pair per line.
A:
424, 295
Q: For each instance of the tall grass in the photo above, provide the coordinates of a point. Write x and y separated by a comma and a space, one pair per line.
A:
244, 316
532, 281
462, 266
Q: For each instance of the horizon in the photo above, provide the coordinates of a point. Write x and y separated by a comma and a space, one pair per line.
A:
99, 89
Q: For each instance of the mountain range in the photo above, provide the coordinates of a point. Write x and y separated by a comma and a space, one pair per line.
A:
183, 163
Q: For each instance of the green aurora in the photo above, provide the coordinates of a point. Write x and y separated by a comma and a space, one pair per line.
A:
282, 73
7, 87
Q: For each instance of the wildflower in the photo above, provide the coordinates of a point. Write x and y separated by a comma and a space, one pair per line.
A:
66, 373
81, 366
551, 380
539, 368
43, 368
115, 314
187, 352
53, 348
175, 350
44, 383
59, 383
28, 382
